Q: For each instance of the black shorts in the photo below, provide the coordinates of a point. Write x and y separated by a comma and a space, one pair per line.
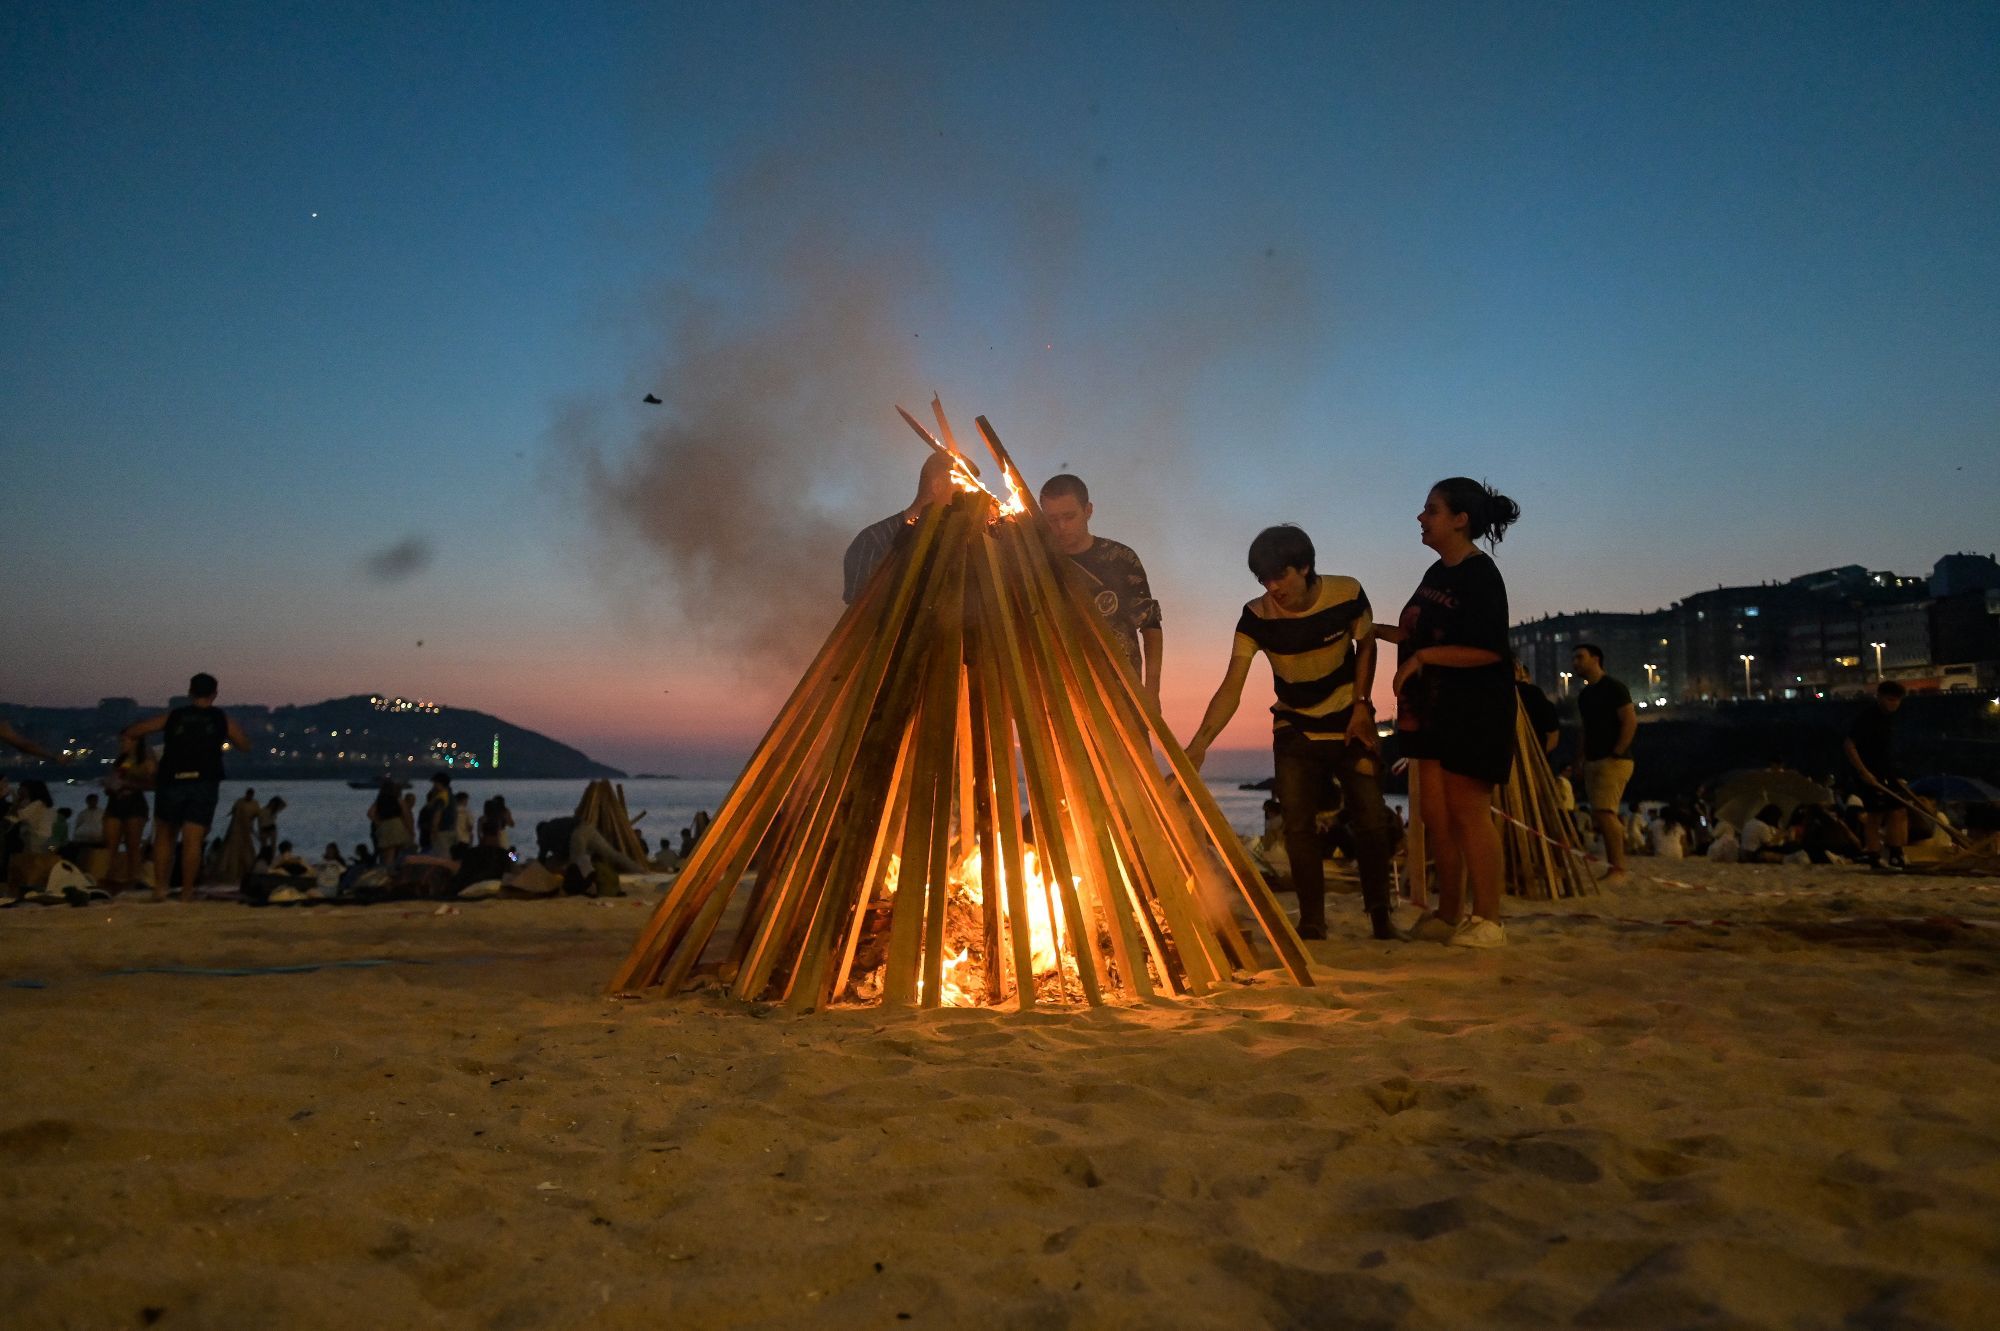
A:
187, 803
127, 806
1468, 731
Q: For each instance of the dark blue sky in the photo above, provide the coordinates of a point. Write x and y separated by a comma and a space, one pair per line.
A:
1713, 291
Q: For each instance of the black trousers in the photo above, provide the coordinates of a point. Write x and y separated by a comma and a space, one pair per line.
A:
1303, 768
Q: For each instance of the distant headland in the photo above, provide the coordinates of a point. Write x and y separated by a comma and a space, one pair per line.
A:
360, 736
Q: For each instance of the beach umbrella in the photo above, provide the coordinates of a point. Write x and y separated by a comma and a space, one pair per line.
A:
1741, 794
1956, 789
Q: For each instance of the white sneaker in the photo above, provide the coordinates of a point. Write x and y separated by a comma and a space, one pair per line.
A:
1473, 931
1430, 929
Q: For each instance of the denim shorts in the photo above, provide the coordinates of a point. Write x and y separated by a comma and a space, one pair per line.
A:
187, 803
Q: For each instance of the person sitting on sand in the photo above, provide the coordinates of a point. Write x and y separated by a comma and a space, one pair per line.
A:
289, 861
589, 851
484, 861
189, 780
1666, 836
1761, 841
1817, 833
34, 817
1274, 827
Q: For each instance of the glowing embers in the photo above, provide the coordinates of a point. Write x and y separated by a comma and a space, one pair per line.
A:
962, 981
965, 473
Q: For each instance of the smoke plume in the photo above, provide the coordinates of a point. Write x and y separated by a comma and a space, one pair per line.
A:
862, 253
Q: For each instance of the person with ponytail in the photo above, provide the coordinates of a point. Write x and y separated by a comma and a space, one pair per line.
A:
1455, 704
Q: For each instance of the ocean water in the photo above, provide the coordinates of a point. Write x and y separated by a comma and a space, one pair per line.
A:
317, 812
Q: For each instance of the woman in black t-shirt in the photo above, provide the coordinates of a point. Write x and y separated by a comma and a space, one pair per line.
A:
1455, 703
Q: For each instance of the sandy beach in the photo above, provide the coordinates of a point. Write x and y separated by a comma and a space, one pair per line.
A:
1760, 1097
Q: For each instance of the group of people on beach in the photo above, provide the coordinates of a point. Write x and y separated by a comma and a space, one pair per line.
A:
1454, 684
1458, 689
436, 848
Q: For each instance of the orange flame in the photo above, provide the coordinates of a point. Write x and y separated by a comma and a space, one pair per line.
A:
1047, 928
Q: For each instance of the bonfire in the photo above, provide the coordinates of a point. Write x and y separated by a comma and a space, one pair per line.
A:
968, 799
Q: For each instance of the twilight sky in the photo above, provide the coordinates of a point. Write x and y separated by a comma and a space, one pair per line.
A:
323, 329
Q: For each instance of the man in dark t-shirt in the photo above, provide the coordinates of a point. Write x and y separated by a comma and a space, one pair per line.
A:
1871, 752
1117, 579
1542, 719
1610, 722
189, 781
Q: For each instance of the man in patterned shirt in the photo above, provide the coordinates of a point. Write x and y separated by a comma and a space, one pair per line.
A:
871, 545
1117, 578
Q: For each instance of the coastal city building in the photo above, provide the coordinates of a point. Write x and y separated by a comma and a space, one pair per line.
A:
1834, 631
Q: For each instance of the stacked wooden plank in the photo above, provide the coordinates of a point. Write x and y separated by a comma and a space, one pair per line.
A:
961, 802
1542, 856
603, 807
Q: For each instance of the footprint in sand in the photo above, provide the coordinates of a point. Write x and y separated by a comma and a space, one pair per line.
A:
32, 1141
1564, 1093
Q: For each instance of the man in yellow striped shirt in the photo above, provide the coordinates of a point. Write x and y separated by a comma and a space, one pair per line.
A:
1315, 629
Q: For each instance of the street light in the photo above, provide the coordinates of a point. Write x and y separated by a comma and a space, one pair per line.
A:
1563, 675
1878, 646
1652, 676
1746, 660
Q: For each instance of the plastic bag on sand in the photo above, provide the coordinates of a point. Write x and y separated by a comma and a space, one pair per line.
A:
67, 883
480, 891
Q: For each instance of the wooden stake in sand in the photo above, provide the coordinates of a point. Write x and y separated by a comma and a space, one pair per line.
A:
1541, 855
603, 807
963, 802
1544, 859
